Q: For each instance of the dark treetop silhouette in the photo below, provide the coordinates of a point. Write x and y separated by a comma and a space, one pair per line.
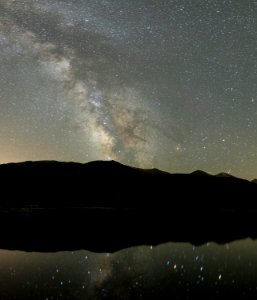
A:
106, 206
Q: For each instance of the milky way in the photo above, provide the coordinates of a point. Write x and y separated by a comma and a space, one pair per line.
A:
167, 84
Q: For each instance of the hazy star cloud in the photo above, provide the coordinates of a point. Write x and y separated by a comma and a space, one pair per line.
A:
142, 83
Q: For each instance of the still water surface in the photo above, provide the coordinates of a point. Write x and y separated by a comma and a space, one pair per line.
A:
173, 270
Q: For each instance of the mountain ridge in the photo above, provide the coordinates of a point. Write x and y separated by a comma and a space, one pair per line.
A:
197, 172
49, 205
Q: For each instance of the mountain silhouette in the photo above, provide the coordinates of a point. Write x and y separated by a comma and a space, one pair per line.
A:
105, 206
223, 174
200, 173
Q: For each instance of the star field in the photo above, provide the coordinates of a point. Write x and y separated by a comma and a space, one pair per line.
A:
167, 84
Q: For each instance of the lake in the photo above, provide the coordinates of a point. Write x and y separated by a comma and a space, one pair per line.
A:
175, 270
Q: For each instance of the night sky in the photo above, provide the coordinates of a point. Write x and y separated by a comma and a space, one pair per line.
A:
165, 84
153, 84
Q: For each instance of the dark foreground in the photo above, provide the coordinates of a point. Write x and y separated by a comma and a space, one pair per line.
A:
106, 206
